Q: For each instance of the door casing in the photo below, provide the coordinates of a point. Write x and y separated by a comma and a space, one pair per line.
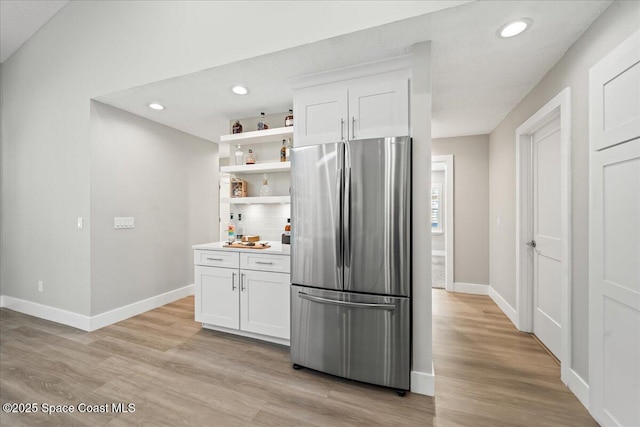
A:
445, 163
560, 105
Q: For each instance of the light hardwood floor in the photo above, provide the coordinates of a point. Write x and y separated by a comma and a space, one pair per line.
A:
487, 374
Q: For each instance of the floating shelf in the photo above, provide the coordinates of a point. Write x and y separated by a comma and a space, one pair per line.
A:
255, 200
258, 136
258, 168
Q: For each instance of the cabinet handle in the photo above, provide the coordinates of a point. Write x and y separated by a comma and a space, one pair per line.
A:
264, 262
242, 281
353, 127
214, 259
233, 281
341, 129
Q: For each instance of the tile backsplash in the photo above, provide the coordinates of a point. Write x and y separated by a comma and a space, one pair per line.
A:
267, 220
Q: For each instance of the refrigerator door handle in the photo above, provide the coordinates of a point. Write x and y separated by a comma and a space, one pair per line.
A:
339, 184
346, 303
347, 219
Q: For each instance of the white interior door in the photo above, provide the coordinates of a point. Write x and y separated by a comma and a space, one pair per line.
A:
547, 235
614, 237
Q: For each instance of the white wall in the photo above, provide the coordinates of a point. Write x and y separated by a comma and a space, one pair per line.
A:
471, 205
422, 379
166, 180
93, 48
616, 24
1, 178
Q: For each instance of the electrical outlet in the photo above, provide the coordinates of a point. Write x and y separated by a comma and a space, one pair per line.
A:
40, 286
80, 223
499, 222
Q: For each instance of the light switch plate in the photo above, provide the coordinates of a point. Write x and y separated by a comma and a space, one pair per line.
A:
120, 222
80, 223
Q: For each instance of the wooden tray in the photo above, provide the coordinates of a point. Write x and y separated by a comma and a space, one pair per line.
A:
241, 246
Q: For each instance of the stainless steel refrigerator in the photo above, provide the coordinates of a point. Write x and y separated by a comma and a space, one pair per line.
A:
351, 260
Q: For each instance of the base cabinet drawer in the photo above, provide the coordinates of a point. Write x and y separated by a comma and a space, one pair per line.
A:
216, 258
265, 262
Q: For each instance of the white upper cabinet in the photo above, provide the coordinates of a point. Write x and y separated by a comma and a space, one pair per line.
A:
366, 101
320, 115
379, 109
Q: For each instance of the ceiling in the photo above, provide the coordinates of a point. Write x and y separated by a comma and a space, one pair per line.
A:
20, 19
477, 77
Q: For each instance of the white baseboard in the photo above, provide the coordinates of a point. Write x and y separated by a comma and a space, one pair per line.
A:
423, 382
471, 288
504, 306
122, 313
579, 387
46, 312
439, 253
91, 323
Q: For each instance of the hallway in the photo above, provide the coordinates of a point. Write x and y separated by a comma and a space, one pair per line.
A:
490, 374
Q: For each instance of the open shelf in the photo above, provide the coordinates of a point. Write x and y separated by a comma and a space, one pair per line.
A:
258, 168
255, 200
258, 136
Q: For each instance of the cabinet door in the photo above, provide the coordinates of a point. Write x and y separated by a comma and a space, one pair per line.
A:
217, 296
264, 303
379, 109
320, 115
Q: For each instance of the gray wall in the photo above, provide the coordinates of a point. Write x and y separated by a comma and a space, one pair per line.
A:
471, 205
166, 180
617, 23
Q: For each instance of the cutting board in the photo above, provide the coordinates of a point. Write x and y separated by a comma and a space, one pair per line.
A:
241, 246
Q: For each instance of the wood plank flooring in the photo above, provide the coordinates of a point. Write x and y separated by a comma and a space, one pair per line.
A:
177, 374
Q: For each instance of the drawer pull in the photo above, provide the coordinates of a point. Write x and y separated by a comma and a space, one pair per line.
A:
215, 259
264, 262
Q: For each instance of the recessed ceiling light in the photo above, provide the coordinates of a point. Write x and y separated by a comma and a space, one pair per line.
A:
156, 106
514, 28
239, 90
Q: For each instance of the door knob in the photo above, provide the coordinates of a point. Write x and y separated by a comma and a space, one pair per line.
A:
532, 243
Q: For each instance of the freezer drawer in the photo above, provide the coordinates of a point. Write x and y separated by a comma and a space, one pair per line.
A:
361, 337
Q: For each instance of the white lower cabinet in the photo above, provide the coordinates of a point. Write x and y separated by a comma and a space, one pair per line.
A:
248, 302
217, 296
264, 303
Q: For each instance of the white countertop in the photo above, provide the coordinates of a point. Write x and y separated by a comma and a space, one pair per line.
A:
276, 248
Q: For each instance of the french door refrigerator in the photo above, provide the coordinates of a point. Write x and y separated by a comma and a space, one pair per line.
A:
351, 259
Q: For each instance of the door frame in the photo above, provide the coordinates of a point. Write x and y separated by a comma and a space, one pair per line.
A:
559, 106
447, 161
